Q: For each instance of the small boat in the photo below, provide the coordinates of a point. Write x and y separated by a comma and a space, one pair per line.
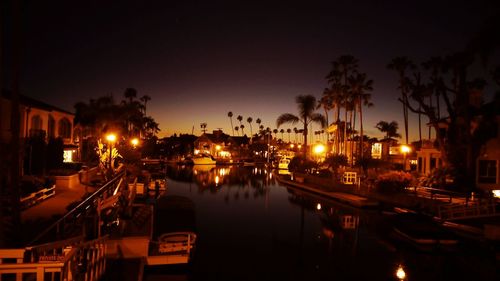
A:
173, 238
203, 159
283, 163
157, 184
422, 231
249, 162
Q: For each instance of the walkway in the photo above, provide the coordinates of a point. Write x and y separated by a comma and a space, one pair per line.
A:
57, 204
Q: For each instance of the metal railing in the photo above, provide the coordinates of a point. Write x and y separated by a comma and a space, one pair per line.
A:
462, 211
435, 193
83, 215
64, 260
37, 197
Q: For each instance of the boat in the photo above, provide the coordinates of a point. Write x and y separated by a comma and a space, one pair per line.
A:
157, 184
203, 159
249, 162
174, 236
422, 231
283, 163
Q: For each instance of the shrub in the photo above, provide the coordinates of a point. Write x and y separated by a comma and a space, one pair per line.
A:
394, 181
301, 165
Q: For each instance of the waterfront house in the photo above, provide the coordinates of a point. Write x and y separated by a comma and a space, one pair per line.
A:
39, 119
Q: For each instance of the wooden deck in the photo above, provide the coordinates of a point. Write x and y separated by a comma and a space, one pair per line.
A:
351, 199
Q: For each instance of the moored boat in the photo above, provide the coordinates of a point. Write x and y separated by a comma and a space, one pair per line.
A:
283, 163
174, 238
203, 159
422, 231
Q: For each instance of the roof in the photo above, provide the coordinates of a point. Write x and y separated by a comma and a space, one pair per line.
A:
31, 102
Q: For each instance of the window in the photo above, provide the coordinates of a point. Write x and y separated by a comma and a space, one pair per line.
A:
51, 127
64, 128
36, 122
487, 172
432, 164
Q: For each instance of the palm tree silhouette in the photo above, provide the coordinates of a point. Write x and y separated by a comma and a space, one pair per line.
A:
230, 115
326, 103
306, 106
249, 120
360, 88
282, 131
342, 68
237, 128
145, 100
242, 129
239, 118
401, 65
390, 129
288, 131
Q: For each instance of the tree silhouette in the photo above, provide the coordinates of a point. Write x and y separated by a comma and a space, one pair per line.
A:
230, 115
306, 106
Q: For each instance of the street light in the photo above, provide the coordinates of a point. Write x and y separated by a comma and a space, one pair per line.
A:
400, 273
319, 148
134, 142
405, 149
111, 138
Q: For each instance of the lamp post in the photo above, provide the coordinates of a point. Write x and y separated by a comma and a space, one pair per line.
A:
405, 149
134, 142
111, 138
400, 273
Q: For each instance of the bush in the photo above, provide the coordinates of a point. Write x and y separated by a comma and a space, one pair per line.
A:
301, 165
394, 181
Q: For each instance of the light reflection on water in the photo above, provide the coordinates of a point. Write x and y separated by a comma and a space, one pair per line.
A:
252, 228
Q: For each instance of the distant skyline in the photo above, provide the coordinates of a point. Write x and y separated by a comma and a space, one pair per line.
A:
200, 60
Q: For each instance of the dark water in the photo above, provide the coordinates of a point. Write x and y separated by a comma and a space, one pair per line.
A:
252, 228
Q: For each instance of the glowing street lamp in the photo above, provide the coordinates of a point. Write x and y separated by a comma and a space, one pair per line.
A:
405, 149
319, 148
111, 138
400, 273
134, 142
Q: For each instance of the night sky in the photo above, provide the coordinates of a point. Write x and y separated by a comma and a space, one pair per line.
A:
200, 59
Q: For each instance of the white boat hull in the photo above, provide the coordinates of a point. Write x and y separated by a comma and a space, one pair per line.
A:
203, 161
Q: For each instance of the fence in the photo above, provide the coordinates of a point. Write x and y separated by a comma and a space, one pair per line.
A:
37, 197
82, 219
463, 211
64, 260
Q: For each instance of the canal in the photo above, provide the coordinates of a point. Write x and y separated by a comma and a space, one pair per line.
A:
252, 228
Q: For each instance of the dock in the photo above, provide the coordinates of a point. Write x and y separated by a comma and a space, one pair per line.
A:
351, 199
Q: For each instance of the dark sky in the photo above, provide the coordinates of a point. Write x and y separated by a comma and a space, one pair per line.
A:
200, 59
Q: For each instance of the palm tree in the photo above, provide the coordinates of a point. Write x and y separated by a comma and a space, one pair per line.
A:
296, 132
130, 94
390, 129
435, 65
145, 100
401, 65
326, 103
242, 129
282, 131
342, 68
275, 131
361, 88
239, 118
249, 120
237, 128
306, 106
230, 115
289, 131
